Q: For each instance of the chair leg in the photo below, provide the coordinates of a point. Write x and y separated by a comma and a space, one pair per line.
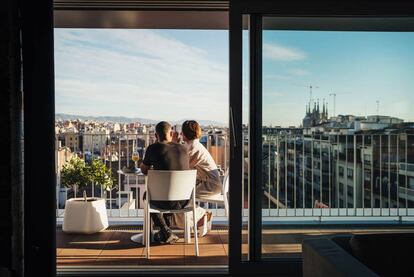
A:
187, 230
144, 232
195, 233
148, 234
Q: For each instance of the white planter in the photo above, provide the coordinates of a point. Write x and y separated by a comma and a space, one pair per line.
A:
85, 217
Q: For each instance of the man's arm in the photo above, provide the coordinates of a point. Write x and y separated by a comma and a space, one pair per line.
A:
146, 163
144, 168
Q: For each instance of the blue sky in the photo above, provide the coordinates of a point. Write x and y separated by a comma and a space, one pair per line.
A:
182, 74
360, 67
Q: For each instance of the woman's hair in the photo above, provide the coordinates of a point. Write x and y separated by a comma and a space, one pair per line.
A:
191, 129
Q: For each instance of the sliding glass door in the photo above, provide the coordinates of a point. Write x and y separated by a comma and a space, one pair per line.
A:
333, 139
324, 124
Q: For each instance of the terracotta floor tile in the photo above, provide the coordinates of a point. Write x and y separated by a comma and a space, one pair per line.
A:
76, 261
116, 248
206, 260
131, 252
168, 249
213, 237
215, 250
79, 252
118, 260
208, 254
157, 259
244, 248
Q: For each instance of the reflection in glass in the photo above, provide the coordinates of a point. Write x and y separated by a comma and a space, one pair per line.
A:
338, 130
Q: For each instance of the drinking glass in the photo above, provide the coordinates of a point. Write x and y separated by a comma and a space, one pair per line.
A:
135, 158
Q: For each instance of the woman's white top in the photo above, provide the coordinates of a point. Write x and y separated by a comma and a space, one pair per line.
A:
208, 177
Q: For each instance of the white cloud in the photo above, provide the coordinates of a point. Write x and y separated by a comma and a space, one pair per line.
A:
281, 53
137, 73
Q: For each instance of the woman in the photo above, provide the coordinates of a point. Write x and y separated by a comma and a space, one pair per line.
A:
208, 178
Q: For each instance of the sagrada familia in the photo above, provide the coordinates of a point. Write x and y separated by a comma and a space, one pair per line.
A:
315, 117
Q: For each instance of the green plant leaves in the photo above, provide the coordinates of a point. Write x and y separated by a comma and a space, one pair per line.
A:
80, 174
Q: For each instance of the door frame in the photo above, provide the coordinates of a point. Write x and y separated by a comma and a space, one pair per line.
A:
296, 9
38, 85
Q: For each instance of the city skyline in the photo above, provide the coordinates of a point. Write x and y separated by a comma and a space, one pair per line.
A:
111, 72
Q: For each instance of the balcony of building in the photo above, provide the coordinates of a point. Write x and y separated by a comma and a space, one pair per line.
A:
295, 206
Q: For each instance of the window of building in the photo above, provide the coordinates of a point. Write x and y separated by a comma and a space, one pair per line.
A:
341, 171
350, 191
411, 183
367, 158
367, 176
350, 173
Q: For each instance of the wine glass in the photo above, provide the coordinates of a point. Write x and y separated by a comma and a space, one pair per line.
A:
135, 158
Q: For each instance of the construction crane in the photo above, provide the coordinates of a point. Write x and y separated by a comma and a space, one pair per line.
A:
334, 100
310, 87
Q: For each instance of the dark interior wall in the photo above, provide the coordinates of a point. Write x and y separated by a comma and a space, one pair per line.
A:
39, 138
11, 138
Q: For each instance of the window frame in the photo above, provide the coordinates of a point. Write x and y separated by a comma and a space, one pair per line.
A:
300, 11
38, 86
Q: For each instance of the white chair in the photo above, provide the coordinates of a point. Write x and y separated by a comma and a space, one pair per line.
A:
170, 185
220, 199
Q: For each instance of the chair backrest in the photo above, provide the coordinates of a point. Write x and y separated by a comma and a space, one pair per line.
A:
225, 188
171, 185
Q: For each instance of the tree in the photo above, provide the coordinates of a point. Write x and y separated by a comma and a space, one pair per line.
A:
74, 174
78, 174
100, 174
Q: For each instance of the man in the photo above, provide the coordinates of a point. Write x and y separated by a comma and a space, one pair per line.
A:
165, 155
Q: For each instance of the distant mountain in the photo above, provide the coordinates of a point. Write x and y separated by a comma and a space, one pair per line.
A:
123, 119
119, 119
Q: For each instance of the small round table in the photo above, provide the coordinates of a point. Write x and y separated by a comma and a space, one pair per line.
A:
138, 238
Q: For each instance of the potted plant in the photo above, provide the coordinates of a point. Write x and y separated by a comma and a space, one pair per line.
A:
85, 215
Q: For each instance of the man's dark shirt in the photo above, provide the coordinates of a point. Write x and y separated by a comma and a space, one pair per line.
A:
167, 156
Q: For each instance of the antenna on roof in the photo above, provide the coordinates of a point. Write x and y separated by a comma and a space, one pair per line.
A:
310, 92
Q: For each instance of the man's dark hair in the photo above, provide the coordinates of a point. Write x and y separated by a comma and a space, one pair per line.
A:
162, 128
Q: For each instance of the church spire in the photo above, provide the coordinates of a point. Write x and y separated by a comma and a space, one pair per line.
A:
318, 107
323, 109
323, 106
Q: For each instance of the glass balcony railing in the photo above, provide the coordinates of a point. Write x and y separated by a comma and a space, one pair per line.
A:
340, 184
124, 199
295, 188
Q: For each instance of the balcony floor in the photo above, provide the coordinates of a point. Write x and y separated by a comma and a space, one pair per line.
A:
113, 247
